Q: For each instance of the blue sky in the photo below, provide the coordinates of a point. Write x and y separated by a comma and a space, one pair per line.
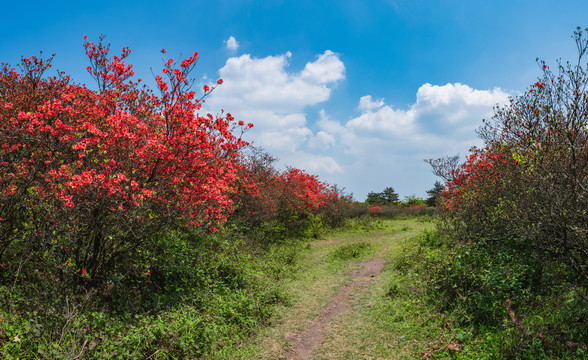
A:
357, 92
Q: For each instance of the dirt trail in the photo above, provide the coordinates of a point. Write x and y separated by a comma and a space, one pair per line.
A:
304, 343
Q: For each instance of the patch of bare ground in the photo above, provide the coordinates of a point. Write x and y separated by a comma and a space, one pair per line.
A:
305, 342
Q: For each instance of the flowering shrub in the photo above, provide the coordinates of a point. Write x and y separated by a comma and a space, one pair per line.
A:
515, 215
482, 185
530, 181
88, 176
288, 198
375, 209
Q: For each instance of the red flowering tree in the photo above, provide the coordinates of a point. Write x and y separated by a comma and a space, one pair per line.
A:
258, 190
531, 178
280, 199
88, 177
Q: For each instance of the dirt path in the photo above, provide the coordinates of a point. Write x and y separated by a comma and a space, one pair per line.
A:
304, 343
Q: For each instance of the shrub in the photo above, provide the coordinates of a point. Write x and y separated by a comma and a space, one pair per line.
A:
350, 252
531, 177
87, 177
281, 204
514, 214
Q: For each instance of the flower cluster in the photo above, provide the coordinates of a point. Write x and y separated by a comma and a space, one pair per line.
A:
266, 194
95, 165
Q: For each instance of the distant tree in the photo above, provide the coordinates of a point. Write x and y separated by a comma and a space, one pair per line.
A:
374, 198
390, 196
412, 200
386, 197
434, 194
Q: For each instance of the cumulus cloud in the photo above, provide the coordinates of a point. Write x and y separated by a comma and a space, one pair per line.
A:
441, 115
265, 92
384, 146
232, 44
321, 141
326, 69
262, 91
378, 146
366, 103
314, 163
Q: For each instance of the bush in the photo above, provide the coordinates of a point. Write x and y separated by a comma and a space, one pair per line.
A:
349, 252
531, 177
88, 177
474, 281
280, 204
514, 216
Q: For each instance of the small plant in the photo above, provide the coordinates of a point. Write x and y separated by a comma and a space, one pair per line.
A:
351, 252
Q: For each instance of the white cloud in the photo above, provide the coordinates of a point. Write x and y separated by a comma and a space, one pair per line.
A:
441, 115
232, 44
366, 103
264, 83
383, 146
322, 141
262, 91
328, 124
378, 147
313, 163
326, 69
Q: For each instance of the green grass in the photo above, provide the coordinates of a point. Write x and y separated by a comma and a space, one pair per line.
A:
351, 252
201, 299
379, 327
227, 298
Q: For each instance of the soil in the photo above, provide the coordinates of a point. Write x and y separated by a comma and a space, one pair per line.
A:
304, 343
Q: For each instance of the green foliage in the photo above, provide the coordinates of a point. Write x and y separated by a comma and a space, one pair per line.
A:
475, 279
471, 283
412, 200
351, 252
386, 197
187, 297
364, 223
434, 194
514, 220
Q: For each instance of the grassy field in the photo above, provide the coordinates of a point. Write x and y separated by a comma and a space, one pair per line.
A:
233, 300
388, 318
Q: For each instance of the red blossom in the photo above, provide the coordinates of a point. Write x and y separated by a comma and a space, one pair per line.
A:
111, 152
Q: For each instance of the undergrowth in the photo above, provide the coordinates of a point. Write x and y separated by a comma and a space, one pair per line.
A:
190, 297
496, 303
351, 252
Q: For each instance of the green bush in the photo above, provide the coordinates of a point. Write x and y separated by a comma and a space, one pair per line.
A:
514, 220
472, 282
475, 280
187, 297
351, 252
